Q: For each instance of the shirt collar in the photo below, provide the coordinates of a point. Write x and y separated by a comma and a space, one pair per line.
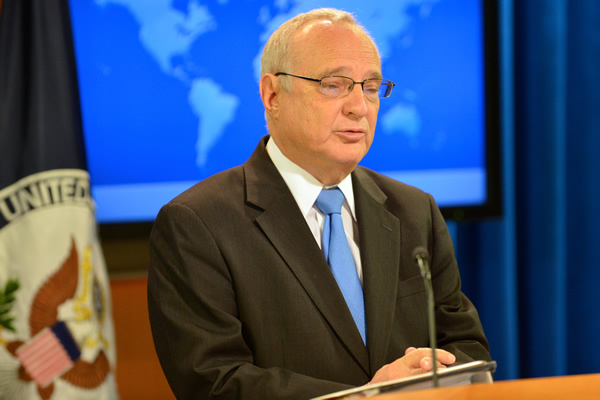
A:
304, 187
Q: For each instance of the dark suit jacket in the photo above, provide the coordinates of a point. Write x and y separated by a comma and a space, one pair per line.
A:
243, 304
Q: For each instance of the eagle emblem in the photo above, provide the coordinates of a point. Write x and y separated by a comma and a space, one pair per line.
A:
64, 321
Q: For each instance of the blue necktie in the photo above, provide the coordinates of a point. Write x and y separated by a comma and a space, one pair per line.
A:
338, 255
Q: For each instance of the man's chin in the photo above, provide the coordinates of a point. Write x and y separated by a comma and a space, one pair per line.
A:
352, 153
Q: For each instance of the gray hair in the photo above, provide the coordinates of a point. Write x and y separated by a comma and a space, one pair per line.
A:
276, 54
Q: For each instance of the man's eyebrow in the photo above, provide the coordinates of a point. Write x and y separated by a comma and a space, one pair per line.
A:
346, 70
336, 71
375, 75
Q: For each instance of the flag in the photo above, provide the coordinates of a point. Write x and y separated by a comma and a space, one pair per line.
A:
52, 352
56, 328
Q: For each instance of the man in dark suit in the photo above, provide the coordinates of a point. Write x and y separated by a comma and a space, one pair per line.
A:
242, 301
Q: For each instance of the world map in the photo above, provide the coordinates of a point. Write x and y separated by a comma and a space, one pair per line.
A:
169, 88
168, 33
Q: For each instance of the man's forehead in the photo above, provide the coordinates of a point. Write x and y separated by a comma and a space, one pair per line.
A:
319, 29
334, 48
314, 25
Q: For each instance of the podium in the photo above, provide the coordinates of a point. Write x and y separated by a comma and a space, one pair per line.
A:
566, 387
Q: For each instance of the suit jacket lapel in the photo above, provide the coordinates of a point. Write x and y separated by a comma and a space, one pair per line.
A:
285, 227
379, 233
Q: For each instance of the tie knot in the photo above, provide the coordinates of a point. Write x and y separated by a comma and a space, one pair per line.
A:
330, 201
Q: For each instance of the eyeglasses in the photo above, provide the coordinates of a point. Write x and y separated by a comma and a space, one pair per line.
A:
340, 86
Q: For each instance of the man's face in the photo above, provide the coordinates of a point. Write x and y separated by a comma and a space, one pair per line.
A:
328, 137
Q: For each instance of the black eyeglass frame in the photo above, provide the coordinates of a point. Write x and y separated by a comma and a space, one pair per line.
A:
388, 91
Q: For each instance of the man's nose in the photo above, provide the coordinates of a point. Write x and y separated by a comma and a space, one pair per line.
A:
356, 102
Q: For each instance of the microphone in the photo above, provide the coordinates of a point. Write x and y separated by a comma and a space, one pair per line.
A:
421, 256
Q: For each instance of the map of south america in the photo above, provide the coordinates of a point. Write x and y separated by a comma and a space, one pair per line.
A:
167, 33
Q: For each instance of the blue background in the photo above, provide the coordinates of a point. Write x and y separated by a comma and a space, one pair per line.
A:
139, 126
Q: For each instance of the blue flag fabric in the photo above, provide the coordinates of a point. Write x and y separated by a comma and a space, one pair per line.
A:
40, 121
52, 271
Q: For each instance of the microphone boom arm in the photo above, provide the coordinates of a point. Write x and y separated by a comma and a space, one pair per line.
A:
421, 256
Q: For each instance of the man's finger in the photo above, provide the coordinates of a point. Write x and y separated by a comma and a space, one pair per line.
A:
442, 356
426, 364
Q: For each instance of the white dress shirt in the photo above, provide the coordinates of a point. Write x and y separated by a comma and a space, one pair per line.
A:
305, 188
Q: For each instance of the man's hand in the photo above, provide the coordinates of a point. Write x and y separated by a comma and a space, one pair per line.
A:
415, 361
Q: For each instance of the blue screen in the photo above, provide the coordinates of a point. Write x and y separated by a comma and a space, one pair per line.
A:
169, 94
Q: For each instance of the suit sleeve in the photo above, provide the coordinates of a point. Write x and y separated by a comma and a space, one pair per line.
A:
459, 329
196, 329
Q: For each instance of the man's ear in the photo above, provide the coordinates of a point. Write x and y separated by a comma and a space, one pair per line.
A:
270, 88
